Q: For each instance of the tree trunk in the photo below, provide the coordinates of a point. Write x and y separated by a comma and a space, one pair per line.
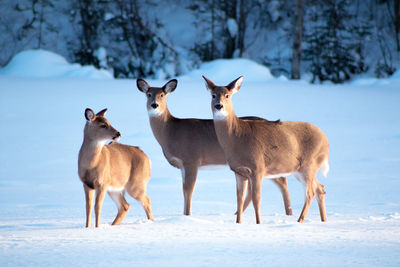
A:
297, 40
243, 12
230, 8
397, 22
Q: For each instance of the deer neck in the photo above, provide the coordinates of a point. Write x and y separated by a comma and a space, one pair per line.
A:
159, 125
90, 153
227, 129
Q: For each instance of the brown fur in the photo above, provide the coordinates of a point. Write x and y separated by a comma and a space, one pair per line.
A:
260, 148
189, 144
113, 168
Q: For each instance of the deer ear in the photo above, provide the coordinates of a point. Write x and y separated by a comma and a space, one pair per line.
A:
235, 85
101, 113
170, 86
89, 114
209, 84
142, 85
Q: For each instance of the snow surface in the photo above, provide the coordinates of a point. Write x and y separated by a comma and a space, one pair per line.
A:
226, 70
42, 199
41, 63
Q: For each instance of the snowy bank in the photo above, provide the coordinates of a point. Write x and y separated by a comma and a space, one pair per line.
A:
46, 64
225, 70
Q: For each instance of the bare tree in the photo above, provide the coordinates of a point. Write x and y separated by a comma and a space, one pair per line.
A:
297, 39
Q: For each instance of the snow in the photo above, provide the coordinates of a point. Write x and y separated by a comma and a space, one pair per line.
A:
232, 27
42, 200
45, 64
226, 70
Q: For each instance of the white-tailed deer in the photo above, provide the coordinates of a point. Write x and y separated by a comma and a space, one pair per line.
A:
188, 144
257, 149
113, 168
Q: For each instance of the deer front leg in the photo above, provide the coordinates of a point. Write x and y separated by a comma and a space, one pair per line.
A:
241, 184
256, 183
89, 192
189, 175
283, 187
100, 194
247, 200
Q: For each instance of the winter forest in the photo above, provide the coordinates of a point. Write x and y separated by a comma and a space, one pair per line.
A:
325, 40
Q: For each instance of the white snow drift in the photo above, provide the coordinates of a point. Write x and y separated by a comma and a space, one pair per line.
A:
46, 64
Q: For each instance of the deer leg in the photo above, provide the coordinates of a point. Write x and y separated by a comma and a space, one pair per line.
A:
241, 184
256, 183
189, 175
248, 197
282, 184
145, 201
309, 182
247, 200
122, 205
100, 194
321, 201
89, 192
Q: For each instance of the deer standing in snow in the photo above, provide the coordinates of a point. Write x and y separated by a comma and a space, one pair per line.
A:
257, 149
113, 168
188, 144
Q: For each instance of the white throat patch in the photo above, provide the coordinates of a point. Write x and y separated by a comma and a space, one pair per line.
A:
154, 112
220, 115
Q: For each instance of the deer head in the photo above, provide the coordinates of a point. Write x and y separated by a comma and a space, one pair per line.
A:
221, 103
98, 128
156, 96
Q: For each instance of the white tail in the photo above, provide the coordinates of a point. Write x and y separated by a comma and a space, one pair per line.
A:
261, 148
189, 143
113, 168
325, 168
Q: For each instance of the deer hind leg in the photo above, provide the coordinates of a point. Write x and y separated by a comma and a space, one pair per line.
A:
145, 201
311, 185
321, 201
100, 194
189, 175
241, 183
141, 196
256, 183
283, 187
122, 205
89, 192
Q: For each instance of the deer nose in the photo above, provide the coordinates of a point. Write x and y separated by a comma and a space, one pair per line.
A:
218, 106
117, 135
154, 105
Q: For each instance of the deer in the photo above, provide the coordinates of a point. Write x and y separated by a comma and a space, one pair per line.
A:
188, 144
113, 168
257, 149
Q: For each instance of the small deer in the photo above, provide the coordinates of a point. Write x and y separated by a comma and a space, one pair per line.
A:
257, 149
113, 168
188, 144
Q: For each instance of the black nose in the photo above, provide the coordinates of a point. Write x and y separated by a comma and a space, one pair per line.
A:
218, 106
117, 135
154, 105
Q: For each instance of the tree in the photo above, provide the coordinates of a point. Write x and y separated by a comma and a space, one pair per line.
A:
331, 47
133, 33
226, 23
297, 39
90, 12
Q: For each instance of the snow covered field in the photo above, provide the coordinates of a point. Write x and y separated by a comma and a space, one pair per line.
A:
42, 200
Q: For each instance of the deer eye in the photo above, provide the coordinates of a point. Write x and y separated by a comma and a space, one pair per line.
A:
103, 126
149, 95
226, 96
213, 96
